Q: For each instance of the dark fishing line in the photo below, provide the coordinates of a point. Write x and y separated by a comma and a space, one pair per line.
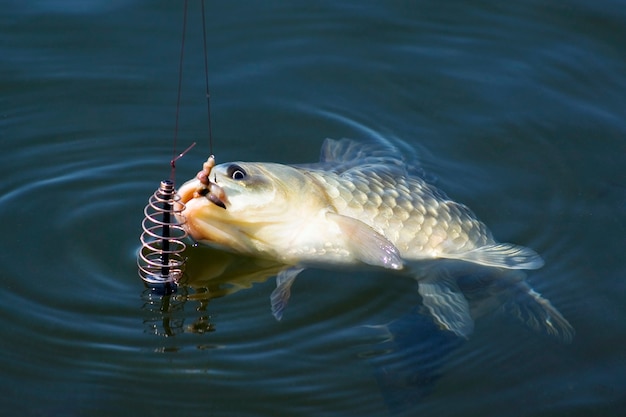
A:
180, 83
206, 76
159, 260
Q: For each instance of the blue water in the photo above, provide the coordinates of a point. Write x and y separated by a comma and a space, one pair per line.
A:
516, 110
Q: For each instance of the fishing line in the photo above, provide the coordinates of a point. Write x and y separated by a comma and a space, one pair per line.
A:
180, 84
160, 258
206, 77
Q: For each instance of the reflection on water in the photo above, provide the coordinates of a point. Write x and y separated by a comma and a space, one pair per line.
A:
408, 361
209, 274
212, 274
406, 354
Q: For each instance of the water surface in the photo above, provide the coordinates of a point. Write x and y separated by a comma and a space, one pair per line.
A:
516, 110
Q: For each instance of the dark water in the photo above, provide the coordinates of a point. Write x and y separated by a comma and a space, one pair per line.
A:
516, 109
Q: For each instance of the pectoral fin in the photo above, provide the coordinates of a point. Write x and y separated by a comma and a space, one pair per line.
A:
447, 305
280, 296
367, 244
502, 255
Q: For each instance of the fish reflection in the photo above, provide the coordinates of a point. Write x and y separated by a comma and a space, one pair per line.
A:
408, 359
406, 354
209, 274
413, 348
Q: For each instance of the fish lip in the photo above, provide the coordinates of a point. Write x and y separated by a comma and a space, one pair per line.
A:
211, 192
216, 194
209, 189
215, 200
212, 226
212, 197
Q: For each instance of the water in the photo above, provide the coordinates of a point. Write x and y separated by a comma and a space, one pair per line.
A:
516, 110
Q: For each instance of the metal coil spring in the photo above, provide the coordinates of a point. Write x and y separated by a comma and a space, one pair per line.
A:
160, 259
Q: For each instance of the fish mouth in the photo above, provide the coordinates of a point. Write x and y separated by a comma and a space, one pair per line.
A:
203, 221
195, 190
212, 197
199, 214
207, 220
207, 188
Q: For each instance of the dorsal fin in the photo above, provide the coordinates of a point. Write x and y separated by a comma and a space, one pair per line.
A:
341, 155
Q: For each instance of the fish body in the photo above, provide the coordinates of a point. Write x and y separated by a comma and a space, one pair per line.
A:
361, 204
346, 209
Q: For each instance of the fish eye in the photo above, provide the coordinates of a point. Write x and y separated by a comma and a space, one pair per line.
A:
236, 172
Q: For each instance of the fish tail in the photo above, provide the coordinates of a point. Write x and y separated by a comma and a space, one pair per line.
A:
538, 314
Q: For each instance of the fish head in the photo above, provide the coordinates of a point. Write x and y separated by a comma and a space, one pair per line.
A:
242, 206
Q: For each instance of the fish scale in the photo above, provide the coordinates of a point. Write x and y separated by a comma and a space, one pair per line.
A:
407, 211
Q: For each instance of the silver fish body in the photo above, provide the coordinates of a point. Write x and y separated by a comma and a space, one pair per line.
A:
417, 218
361, 204
346, 209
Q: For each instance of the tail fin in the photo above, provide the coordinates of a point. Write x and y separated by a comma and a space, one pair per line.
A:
538, 313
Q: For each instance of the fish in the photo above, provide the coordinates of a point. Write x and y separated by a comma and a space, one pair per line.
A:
362, 204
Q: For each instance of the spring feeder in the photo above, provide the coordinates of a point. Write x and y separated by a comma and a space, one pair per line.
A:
160, 259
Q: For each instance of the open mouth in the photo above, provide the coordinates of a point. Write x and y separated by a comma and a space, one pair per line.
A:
213, 197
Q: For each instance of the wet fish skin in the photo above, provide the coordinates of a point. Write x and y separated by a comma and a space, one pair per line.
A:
416, 217
277, 212
312, 215
361, 204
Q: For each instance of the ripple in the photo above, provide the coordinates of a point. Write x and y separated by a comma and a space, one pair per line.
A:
514, 110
